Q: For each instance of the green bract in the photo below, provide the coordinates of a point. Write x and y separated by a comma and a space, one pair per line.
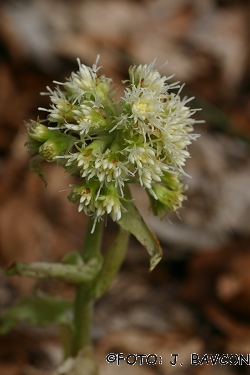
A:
141, 138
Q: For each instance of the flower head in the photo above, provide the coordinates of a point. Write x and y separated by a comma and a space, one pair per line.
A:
142, 138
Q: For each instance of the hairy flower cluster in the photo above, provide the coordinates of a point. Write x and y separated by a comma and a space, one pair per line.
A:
142, 138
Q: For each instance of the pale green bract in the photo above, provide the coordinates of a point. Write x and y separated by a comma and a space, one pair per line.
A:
141, 138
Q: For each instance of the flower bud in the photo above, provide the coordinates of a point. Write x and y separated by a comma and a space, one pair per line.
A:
84, 195
103, 87
167, 199
56, 145
109, 202
39, 132
146, 76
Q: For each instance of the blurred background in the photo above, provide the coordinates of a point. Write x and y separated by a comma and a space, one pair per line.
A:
197, 300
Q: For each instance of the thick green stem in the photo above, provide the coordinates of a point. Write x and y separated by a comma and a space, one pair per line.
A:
66, 339
113, 259
84, 297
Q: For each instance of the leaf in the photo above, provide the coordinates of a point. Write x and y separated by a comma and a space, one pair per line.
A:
75, 274
35, 167
113, 259
39, 311
132, 221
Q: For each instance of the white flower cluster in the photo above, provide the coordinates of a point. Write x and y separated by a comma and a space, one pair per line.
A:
141, 138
